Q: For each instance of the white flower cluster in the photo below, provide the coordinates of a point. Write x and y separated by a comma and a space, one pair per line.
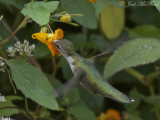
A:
5, 118
24, 49
2, 98
2, 66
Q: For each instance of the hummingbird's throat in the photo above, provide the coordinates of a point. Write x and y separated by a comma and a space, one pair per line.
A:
71, 62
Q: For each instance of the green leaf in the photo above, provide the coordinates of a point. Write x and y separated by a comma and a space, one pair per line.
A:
156, 4
99, 5
8, 103
112, 21
81, 112
38, 14
133, 53
32, 83
152, 99
81, 7
144, 31
40, 11
50, 6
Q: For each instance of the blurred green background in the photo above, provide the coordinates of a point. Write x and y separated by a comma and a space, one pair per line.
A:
107, 25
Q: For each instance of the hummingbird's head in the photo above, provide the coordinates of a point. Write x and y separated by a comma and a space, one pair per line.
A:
65, 47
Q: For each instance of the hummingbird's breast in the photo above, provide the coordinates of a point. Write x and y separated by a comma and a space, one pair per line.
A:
71, 62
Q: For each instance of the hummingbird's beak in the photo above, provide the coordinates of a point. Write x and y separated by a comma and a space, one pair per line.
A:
54, 41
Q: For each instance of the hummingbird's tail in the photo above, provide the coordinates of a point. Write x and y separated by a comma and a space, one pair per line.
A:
118, 96
124, 100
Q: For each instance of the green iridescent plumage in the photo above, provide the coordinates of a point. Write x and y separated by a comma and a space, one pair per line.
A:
90, 77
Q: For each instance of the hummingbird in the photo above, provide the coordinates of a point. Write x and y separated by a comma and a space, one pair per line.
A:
89, 77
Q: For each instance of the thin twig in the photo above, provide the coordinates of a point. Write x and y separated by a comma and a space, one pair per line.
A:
2, 58
14, 32
136, 74
9, 30
9, 75
31, 4
151, 77
26, 113
1, 17
152, 92
26, 103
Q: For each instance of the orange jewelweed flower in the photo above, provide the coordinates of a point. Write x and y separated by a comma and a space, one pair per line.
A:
48, 38
111, 114
92, 1
41, 37
53, 49
59, 34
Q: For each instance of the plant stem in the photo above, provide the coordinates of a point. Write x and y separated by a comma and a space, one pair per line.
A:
14, 88
31, 3
148, 81
152, 92
26, 104
9, 29
26, 113
1, 17
136, 74
16, 30
50, 28
152, 76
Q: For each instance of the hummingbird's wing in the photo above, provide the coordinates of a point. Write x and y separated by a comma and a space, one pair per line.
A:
106, 54
82, 77
90, 88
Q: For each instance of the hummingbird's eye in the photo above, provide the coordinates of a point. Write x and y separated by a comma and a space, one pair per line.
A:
58, 46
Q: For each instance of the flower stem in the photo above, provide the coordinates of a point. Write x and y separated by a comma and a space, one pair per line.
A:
13, 33
136, 74
152, 92
26, 104
1, 17
31, 3
151, 77
24, 112
14, 88
148, 81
